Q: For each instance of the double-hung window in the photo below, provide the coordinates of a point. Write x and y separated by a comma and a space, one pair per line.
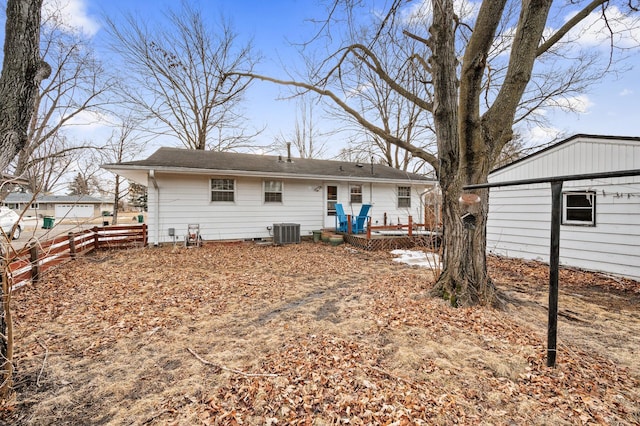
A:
356, 194
579, 208
273, 191
223, 190
404, 196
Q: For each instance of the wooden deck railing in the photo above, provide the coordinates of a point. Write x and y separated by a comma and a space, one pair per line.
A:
27, 265
410, 227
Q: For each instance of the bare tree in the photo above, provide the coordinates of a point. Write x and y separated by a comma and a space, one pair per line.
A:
180, 77
124, 144
306, 137
379, 103
22, 72
49, 164
485, 71
78, 87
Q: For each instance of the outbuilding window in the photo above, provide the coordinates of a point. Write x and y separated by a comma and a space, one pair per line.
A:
273, 191
223, 190
404, 196
579, 208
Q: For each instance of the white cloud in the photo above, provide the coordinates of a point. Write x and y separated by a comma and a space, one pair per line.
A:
580, 103
91, 119
537, 136
626, 92
72, 14
420, 12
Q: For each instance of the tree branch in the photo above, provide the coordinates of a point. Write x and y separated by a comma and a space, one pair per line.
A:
570, 24
375, 65
415, 151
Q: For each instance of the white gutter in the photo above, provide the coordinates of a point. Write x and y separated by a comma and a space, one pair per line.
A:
278, 175
156, 207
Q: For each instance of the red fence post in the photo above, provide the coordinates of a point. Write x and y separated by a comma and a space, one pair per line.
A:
35, 267
369, 228
349, 224
96, 240
410, 226
144, 235
72, 245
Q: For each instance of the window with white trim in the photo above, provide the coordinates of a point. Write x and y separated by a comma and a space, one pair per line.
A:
356, 194
273, 191
404, 196
579, 208
223, 190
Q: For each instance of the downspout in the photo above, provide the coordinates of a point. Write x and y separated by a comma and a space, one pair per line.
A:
156, 206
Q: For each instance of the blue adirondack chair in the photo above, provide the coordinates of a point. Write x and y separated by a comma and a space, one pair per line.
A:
361, 220
342, 224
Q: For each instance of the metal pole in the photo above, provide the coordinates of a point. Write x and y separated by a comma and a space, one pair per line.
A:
554, 262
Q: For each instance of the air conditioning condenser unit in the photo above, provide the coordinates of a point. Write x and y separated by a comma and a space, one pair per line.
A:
286, 233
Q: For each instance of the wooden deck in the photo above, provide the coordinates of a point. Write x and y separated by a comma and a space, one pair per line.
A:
391, 240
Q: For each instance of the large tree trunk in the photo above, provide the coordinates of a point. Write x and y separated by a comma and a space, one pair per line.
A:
468, 140
22, 72
464, 280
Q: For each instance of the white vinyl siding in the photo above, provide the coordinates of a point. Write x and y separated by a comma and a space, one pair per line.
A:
520, 216
185, 199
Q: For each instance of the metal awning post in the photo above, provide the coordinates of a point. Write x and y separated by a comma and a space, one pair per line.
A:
554, 263
556, 218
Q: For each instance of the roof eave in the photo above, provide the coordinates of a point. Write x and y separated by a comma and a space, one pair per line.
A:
276, 175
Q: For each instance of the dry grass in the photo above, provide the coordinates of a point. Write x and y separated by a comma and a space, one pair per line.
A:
313, 334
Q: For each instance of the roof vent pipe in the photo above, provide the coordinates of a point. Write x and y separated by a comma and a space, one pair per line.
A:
372, 165
288, 152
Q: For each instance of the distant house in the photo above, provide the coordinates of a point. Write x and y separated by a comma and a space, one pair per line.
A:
600, 228
72, 207
242, 196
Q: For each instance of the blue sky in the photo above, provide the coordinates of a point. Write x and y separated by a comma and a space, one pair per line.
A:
610, 107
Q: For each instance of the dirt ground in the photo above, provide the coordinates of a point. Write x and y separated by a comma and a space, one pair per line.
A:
314, 334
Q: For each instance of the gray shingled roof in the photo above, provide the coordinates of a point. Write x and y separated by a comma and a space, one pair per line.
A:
177, 159
22, 197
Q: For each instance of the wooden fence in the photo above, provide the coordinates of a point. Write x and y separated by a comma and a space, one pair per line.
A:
26, 265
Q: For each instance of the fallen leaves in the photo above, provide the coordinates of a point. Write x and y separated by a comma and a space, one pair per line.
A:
314, 334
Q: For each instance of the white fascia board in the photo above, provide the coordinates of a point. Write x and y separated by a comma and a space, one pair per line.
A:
136, 174
246, 173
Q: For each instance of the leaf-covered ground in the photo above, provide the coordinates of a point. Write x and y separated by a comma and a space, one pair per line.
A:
314, 334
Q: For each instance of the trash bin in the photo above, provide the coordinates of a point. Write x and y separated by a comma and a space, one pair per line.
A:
47, 222
140, 218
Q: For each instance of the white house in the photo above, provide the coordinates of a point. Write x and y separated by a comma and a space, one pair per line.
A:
68, 207
600, 228
242, 196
